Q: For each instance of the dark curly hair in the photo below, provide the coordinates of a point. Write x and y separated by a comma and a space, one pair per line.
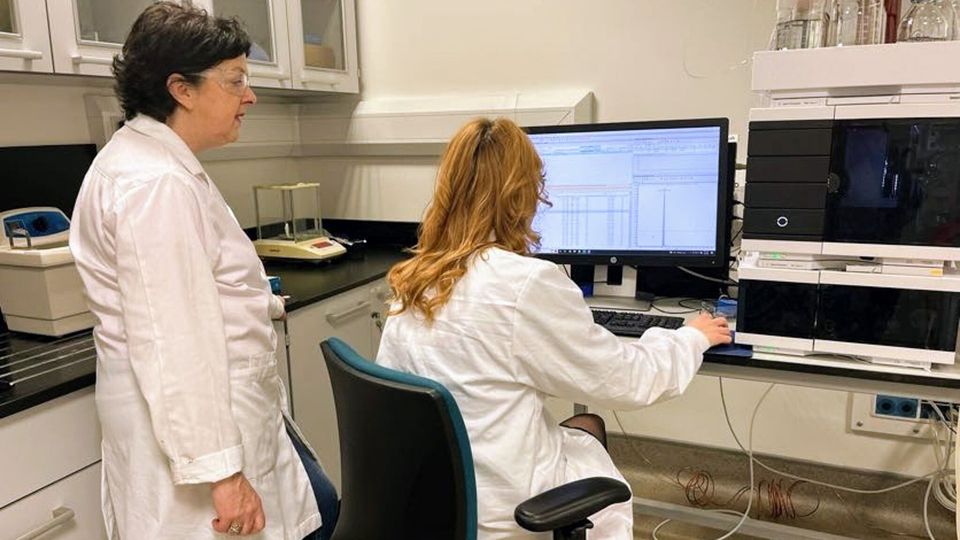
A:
169, 38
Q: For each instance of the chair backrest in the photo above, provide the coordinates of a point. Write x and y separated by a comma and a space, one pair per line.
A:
406, 465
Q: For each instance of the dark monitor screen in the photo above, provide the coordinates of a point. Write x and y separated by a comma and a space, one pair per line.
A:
43, 175
642, 193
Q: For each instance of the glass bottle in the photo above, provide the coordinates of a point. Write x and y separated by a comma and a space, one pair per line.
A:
844, 23
949, 8
801, 24
871, 22
925, 21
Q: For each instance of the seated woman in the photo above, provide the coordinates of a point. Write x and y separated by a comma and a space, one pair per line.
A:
504, 331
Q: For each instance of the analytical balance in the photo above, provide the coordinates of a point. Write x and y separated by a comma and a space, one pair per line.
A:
294, 238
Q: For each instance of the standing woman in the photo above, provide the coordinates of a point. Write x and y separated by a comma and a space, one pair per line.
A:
503, 331
195, 442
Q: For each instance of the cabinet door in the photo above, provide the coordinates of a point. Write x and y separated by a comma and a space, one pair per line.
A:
87, 34
323, 45
266, 22
66, 510
379, 293
24, 37
283, 361
46, 443
348, 317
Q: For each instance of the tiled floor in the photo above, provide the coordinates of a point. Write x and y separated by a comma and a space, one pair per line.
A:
652, 468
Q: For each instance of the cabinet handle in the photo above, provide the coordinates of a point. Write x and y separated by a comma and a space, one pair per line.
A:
335, 318
21, 53
98, 60
305, 77
61, 516
274, 76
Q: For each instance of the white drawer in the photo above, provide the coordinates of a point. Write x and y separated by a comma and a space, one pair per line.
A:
46, 443
78, 493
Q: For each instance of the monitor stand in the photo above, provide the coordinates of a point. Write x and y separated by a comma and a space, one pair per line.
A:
583, 276
643, 298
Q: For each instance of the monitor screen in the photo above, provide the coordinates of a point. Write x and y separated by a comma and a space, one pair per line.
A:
44, 175
644, 193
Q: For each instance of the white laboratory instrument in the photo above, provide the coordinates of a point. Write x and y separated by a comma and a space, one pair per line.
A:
40, 288
851, 233
297, 240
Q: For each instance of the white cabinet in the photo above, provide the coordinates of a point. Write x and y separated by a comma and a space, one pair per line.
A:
46, 443
24, 37
323, 44
297, 44
283, 361
379, 292
66, 510
51, 470
350, 317
266, 22
86, 34
301, 44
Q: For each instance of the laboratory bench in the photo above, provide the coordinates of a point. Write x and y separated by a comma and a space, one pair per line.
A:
307, 284
817, 371
53, 400
64, 365
42, 369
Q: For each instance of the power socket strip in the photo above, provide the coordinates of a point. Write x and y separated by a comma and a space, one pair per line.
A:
894, 415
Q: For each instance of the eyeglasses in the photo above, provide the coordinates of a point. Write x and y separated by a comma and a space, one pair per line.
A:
234, 82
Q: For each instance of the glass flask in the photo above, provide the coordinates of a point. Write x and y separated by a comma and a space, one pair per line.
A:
925, 21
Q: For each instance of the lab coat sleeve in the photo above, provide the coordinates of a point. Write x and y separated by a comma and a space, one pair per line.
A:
175, 331
566, 355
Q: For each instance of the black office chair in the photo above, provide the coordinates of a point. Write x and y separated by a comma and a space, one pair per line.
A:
407, 469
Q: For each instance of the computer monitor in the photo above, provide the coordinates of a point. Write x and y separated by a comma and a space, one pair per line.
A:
44, 175
635, 193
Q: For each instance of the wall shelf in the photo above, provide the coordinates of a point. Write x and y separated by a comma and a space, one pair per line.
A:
891, 68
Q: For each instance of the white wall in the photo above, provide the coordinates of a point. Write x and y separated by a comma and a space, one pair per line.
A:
38, 110
643, 59
48, 113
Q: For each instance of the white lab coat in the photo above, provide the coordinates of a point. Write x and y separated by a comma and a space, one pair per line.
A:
187, 384
516, 331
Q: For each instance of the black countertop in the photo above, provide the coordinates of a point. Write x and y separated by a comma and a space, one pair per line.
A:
27, 377
35, 369
741, 360
305, 285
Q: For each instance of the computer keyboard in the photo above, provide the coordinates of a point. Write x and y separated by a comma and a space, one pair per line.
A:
632, 323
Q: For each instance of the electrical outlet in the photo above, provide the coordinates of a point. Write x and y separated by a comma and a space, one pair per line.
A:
895, 415
896, 407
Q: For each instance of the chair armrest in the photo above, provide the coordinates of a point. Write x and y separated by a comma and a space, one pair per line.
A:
570, 503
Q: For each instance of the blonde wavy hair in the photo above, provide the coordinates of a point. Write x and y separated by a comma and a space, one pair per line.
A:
489, 185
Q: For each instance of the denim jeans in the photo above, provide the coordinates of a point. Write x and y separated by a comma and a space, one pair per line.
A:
323, 490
